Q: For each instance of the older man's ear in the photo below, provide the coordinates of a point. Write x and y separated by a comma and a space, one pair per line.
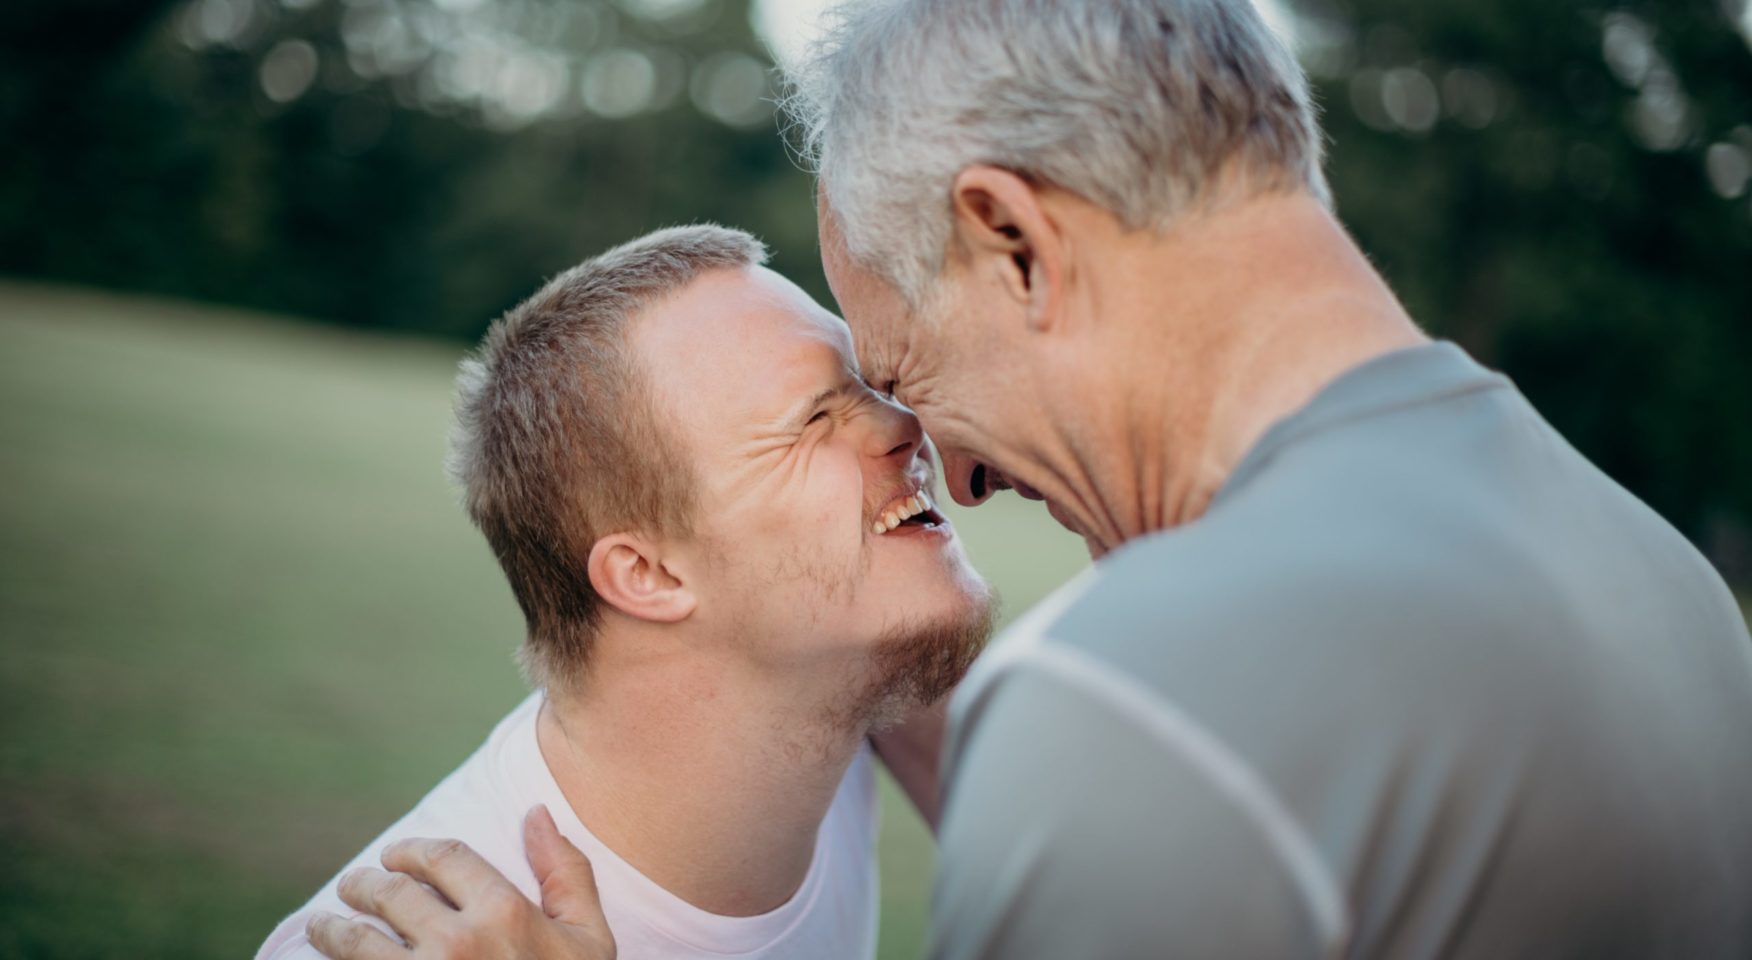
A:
1006, 231
633, 575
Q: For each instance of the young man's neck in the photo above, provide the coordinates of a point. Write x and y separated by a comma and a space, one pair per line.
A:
709, 784
1227, 325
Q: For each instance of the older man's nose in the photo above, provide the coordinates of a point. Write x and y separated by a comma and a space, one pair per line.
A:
970, 482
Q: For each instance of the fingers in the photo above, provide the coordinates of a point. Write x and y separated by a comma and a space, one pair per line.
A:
568, 884
414, 911
450, 866
342, 939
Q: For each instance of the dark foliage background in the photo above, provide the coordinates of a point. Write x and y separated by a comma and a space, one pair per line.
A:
1561, 187
147, 155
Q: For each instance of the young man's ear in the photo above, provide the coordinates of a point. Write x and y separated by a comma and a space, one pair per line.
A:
1001, 226
629, 574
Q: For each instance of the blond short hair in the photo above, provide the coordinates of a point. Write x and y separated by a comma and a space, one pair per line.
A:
557, 442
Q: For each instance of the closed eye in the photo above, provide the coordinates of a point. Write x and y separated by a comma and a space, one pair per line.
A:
819, 415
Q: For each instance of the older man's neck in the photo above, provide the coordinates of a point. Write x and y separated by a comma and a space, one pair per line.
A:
712, 788
1242, 319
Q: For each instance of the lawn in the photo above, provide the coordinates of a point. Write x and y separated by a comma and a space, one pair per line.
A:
244, 624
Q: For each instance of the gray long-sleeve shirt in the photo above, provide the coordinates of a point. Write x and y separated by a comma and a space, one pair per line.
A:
1422, 682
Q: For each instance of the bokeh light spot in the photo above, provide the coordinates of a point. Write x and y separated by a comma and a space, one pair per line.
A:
1628, 46
288, 70
732, 88
1728, 167
1469, 97
1409, 99
1365, 98
619, 83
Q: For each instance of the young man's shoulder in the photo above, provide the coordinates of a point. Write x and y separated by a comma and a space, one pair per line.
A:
474, 803
494, 834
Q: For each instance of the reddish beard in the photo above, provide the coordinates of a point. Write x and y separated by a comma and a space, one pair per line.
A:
919, 662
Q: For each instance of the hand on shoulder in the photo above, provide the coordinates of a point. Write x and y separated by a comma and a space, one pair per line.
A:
449, 903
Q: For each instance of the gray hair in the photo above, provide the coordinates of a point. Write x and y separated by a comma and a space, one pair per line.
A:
557, 440
1138, 106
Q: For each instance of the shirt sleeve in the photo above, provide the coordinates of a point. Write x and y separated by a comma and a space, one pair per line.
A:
1071, 831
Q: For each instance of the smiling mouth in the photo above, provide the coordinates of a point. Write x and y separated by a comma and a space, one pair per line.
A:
914, 510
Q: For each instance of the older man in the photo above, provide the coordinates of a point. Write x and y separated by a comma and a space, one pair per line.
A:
726, 550
1374, 664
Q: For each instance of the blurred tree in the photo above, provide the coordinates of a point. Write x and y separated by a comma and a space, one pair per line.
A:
1560, 187
414, 164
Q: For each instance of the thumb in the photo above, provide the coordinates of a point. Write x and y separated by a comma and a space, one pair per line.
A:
568, 884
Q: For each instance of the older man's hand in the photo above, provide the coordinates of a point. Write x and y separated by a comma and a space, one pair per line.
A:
475, 912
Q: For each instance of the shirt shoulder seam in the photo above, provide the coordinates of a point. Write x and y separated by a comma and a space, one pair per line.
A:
1227, 773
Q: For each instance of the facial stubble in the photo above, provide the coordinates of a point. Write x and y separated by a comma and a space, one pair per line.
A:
918, 662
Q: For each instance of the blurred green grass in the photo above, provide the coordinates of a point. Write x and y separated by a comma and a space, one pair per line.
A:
244, 624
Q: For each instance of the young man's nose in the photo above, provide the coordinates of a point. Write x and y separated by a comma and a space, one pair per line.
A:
896, 434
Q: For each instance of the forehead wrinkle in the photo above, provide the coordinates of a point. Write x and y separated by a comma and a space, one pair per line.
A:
914, 378
870, 359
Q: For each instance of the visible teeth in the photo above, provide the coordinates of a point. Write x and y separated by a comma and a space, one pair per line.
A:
910, 507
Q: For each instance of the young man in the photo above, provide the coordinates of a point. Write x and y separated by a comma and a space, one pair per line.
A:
725, 547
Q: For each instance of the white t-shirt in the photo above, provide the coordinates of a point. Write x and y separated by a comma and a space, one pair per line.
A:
832, 915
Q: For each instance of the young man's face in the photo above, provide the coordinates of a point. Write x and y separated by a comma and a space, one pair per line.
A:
816, 508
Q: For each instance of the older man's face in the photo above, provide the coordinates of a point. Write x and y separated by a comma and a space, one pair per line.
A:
952, 374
